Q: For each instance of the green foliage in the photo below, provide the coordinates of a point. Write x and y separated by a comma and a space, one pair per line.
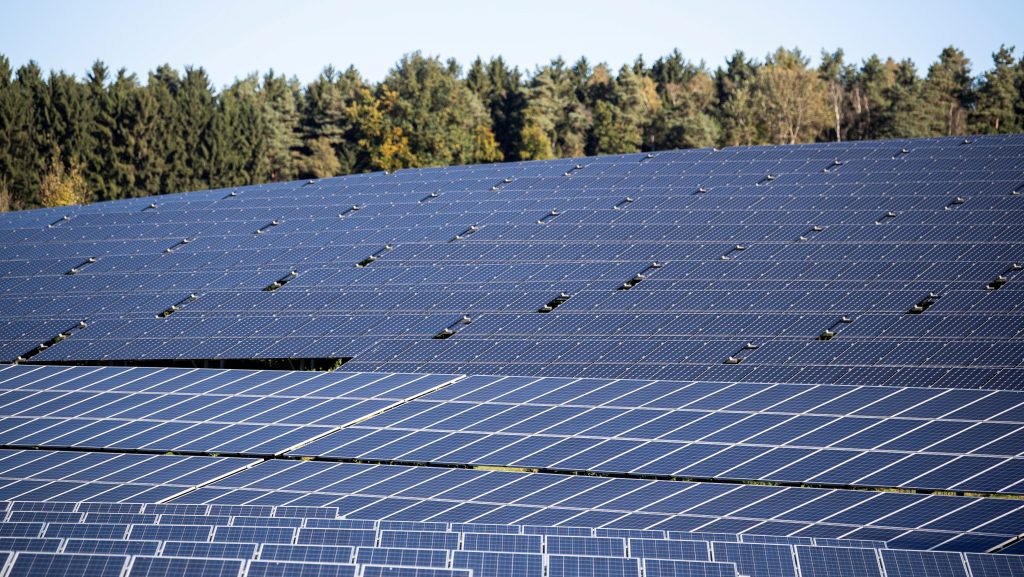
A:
107, 135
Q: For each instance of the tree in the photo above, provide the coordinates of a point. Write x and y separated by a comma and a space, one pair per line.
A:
907, 115
949, 92
835, 74
500, 89
280, 113
791, 98
736, 105
556, 109
440, 116
61, 186
999, 96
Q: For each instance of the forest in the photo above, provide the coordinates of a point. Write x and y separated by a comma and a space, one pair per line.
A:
109, 135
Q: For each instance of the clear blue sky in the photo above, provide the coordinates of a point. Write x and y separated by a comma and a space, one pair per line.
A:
231, 38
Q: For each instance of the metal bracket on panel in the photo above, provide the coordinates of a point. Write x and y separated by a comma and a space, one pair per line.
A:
547, 217
623, 203
453, 328
923, 304
373, 257
67, 218
741, 355
833, 166
955, 203
554, 303
43, 346
887, 217
640, 276
174, 308
732, 251
807, 235
572, 170
473, 229
503, 181
833, 329
281, 281
85, 263
267, 226
349, 210
177, 245
1003, 278
902, 152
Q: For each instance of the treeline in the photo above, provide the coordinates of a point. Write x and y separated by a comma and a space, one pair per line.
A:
67, 140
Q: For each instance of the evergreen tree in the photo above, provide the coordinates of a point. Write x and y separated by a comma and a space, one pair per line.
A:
949, 92
500, 89
999, 96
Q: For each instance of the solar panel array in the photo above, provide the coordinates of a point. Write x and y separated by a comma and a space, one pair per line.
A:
769, 264
42, 538
767, 361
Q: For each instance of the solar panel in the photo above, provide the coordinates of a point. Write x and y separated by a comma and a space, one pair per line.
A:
658, 364
177, 566
707, 253
911, 564
666, 568
494, 564
837, 562
756, 560
575, 566
58, 565
293, 569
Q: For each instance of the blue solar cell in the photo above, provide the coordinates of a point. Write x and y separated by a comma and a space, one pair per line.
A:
306, 553
576, 566
29, 544
215, 550
899, 563
593, 546
669, 549
254, 534
177, 566
419, 539
60, 565
405, 557
502, 543
351, 537
990, 565
494, 564
837, 562
294, 569
666, 568
111, 546
756, 560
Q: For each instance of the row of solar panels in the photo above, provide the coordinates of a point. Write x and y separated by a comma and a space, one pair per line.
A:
224, 559
611, 216
829, 435
268, 533
483, 497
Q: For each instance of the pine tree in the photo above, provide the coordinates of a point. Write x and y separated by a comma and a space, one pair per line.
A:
949, 92
998, 96
500, 89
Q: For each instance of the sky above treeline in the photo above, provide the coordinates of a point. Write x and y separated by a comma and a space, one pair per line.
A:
232, 38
